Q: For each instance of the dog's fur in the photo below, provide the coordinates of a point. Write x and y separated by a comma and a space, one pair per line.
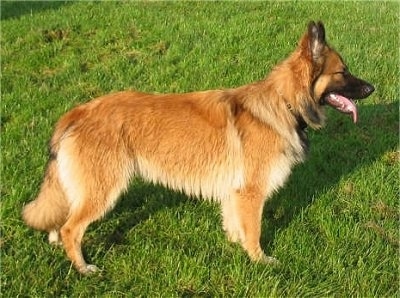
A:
236, 146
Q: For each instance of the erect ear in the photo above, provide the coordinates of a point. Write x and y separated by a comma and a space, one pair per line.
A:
316, 39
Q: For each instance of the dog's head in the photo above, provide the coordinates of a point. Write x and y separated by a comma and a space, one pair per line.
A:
331, 81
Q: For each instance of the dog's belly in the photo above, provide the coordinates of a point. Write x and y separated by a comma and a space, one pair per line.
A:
209, 167
213, 180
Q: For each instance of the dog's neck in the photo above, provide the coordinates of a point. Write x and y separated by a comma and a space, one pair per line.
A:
301, 129
300, 120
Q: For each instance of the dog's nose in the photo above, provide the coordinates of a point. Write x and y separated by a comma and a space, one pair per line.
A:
368, 89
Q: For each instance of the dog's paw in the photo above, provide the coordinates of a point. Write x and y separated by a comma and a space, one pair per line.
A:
88, 269
54, 238
270, 260
233, 237
259, 256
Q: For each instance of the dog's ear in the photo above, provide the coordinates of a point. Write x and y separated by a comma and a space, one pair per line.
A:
313, 42
316, 39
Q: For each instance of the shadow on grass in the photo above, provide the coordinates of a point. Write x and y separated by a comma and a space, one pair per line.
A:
336, 151
15, 9
139, 204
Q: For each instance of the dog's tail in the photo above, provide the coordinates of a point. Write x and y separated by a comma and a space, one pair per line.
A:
50, 209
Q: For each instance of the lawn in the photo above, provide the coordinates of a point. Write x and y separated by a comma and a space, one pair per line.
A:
334, 226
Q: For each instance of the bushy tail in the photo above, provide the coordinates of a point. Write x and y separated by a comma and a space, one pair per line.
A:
50, 209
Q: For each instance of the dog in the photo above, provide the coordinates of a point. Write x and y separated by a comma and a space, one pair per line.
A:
235, 146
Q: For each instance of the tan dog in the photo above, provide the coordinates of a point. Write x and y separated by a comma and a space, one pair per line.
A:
236, 146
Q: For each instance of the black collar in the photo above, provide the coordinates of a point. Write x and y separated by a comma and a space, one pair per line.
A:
301, 123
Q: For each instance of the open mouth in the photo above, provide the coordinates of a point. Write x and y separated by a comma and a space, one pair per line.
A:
342, 104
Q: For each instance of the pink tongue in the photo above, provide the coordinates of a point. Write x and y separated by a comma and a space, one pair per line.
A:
343, 105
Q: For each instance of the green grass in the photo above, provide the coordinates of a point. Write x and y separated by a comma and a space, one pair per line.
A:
334, 226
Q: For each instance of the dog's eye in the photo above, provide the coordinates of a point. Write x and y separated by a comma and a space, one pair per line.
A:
339, 72
342, 72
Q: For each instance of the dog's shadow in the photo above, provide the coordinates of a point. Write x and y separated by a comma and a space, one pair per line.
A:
138, 204
336, 151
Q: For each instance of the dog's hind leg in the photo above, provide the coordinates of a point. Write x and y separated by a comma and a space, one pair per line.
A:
92, 182
93, 206
72, 233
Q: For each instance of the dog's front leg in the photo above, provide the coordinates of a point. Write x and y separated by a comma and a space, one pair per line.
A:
247, 207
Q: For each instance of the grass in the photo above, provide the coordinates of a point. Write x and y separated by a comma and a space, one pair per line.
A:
334, 226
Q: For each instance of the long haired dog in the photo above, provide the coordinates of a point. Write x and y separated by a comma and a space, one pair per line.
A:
236, 146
